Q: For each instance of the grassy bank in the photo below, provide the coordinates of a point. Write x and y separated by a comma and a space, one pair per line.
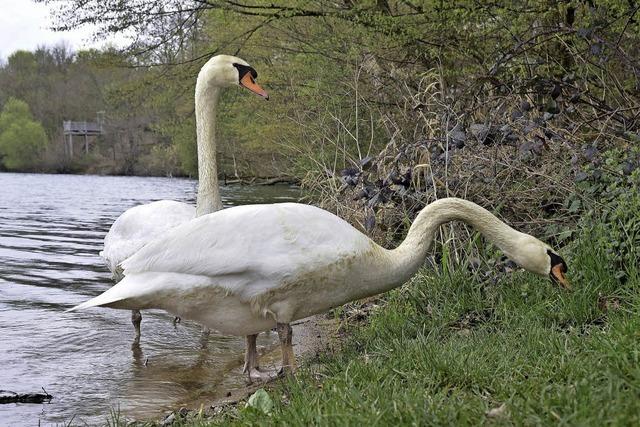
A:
447, 348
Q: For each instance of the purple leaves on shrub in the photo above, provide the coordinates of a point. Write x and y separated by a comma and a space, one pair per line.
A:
596, 49
458, 137
590, 152
366, 193
374, 201
530, 127
482, 133
628, 167
370, 221
366, 163
525, 147
350, 176
404, 179
360, 195
585, 32
534, 147
394, 178
581, 176
537, 146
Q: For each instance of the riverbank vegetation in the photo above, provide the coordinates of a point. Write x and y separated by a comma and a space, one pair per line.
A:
531, 109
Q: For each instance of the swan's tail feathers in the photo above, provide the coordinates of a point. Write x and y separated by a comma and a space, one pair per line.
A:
106, 299
138, 291
130, 294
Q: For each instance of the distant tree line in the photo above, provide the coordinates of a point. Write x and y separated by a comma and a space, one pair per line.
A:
54, 84
147, 112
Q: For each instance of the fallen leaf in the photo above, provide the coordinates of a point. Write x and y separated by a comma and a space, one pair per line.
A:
497, 412
261, 401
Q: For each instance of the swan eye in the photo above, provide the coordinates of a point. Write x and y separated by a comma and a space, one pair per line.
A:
243, 70
557, 260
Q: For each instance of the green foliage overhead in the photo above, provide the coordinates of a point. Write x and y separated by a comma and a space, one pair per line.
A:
352, 80
183, 138
22, 140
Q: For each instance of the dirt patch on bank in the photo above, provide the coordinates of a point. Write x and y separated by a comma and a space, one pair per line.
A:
311, 336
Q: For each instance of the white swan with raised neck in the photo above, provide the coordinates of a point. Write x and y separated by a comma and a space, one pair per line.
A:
219, 72
141, 224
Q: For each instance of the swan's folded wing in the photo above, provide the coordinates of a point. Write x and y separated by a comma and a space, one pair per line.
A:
245, 251
267, 242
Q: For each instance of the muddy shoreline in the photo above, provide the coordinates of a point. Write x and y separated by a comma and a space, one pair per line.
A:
311, 336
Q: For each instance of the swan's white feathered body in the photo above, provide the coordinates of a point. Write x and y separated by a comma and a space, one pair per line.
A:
138, 226
242, 269
250, 268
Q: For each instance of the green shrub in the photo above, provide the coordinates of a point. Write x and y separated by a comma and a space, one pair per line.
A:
610, 185
22, 140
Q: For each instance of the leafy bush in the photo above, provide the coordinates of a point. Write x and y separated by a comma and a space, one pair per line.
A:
609, 183
22, 140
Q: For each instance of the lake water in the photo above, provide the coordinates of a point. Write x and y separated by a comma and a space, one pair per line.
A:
51, 230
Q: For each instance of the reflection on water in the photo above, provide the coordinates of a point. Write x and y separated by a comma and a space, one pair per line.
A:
51, 230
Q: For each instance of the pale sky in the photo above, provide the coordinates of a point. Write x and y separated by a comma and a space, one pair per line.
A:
25, 25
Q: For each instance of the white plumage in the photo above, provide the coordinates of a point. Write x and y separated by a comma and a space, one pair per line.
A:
230, 269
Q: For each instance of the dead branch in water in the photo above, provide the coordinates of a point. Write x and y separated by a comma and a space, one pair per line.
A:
7, 396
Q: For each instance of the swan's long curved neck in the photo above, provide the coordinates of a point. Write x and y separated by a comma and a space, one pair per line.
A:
208, 199
404, 261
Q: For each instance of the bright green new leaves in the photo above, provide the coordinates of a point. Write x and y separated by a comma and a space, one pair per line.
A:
22, 140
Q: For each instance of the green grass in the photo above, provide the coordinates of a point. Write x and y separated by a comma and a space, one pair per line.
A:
446, 349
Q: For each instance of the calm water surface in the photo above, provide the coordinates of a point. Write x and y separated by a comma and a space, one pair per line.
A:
51, 230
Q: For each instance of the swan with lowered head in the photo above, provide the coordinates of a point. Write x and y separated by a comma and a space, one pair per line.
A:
249, 268
139, 225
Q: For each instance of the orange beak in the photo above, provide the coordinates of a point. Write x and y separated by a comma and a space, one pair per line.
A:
558, 275
248, 82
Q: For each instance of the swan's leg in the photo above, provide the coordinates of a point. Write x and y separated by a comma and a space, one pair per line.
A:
204, 335
285, 334
250, 355
136, 319
251, 362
